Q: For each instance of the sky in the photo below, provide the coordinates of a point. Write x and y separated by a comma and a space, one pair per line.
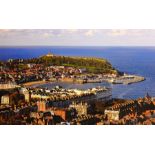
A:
77, 37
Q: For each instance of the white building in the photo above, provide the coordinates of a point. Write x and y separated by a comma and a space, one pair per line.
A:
8, 86
81, 108
112, 114
39, 96
5, 100
26, 94
49, 54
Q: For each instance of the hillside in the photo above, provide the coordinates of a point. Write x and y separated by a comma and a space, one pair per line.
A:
92, 65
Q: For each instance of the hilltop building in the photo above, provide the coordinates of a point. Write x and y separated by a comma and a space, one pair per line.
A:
50, 54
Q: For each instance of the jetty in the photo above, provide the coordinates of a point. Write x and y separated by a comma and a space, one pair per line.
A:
126, 79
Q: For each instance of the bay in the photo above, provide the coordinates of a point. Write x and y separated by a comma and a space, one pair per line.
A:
132, 60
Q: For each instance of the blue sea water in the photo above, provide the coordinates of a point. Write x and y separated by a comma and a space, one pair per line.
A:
133, 60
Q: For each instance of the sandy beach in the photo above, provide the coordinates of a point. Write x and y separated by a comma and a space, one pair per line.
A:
68, 80
27, 84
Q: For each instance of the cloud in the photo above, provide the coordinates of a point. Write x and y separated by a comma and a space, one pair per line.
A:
4, 30
77, 37
90, 33
72, 30
118, 32
47, 35
127, 32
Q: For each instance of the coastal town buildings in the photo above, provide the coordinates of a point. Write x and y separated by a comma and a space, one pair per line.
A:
5, 100
69, 95
41, 106
112, 114
63, 113
8, 85
25, 101
81, 108
26, 94
140, 111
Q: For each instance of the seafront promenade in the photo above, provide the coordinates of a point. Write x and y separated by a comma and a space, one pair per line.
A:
4, 86
28, 84
118, 80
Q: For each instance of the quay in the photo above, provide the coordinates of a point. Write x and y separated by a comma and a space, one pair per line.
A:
126, 79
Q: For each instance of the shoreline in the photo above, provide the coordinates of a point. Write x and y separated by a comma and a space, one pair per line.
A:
28, 84
123, 80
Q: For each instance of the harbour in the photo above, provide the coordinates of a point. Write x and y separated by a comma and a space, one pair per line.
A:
131, 60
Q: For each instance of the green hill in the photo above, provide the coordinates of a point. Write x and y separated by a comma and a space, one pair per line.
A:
92, 65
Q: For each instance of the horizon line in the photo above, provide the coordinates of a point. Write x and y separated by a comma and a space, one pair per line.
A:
77, 45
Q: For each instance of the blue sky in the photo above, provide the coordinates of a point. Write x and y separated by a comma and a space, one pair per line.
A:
77, 37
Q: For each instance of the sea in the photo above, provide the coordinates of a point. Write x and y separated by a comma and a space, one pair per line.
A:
132, 60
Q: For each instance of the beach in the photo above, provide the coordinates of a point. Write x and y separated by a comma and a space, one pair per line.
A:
28, 84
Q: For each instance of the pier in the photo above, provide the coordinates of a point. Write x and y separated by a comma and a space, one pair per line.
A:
127, 79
